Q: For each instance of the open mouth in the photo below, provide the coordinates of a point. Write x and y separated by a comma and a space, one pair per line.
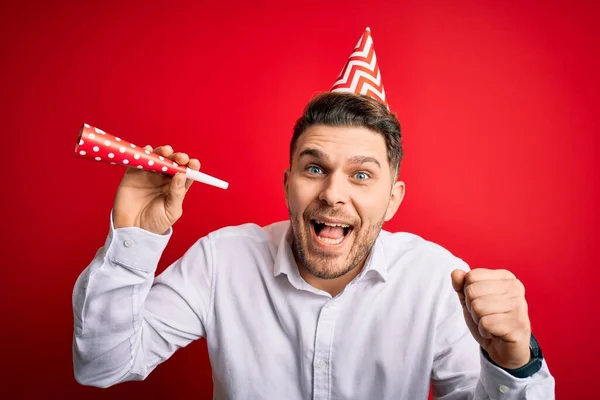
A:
331, 233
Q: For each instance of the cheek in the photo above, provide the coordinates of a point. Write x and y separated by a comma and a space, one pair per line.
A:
299, 196
371, 206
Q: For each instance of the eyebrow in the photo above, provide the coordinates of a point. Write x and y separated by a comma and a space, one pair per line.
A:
313, 153
318, 154
364, 160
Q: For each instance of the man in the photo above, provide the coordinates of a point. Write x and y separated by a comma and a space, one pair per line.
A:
326, 305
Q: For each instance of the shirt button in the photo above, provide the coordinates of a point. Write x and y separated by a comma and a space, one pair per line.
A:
502, 389
320, 364
128, 243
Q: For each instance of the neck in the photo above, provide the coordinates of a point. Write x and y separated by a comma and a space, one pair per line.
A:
332, 286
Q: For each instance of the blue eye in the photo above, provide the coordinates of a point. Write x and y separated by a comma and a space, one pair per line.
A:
361, 176
314, 170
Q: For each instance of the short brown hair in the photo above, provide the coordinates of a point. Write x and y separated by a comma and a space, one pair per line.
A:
352, 110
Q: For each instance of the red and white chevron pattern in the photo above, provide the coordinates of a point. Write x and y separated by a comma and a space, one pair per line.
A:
361, 73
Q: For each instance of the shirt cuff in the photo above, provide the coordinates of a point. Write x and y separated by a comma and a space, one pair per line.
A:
498, 383
136, 248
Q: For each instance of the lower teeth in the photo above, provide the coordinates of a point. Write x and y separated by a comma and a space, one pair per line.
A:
331, 241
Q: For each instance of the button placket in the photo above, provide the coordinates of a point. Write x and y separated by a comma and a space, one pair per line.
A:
323, 343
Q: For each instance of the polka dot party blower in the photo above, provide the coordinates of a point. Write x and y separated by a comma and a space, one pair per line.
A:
95, 144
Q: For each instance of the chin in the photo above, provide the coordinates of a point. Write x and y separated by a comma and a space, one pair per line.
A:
326, 269
325, 259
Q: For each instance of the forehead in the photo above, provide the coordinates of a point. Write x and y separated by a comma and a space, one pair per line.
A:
338, 141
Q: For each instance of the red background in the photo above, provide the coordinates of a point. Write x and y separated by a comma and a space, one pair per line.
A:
498, 102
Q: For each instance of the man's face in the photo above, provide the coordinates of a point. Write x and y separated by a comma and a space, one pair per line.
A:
339, 192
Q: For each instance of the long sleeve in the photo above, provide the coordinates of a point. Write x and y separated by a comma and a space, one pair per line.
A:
461, 372
127, 321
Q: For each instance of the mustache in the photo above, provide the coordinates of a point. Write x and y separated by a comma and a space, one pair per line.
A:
325, 211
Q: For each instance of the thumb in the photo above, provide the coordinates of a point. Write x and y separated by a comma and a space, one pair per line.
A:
458, 283
458, 279
174, 200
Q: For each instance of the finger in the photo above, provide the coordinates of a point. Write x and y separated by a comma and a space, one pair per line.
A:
174, 200
482, 274
499, 325
180, 158
492, 304
498, 287
164, 151
195, 165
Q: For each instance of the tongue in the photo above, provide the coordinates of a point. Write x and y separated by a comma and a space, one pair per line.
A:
331, 232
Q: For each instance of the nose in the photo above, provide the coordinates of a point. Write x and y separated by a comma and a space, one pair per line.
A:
335, 190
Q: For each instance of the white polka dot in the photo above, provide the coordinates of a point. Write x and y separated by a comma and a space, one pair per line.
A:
164, 169
111, 155
122, 149
125, 161
132, 145
98, 130
147, 151
97, 159
113, 163
80, 142
175, 164
107, 143
117, 139
91, 135
161, 158
86, 125
82, 152
136, 156
150, 162
140, 167
96, 148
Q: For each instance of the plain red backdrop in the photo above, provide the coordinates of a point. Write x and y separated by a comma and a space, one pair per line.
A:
499, 108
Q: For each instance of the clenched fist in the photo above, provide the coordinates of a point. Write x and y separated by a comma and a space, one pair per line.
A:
495, 311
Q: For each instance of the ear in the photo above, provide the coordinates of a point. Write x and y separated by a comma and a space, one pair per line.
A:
396, 198
286, 178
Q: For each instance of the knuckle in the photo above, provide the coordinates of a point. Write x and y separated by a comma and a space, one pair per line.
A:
523, 307
470, 278
486, 323
520, 288
477, 306
516, 305
470, 292
509, 274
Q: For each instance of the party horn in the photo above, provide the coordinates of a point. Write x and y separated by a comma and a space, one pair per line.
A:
95, 144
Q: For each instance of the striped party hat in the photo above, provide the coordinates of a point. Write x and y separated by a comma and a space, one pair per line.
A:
361, 73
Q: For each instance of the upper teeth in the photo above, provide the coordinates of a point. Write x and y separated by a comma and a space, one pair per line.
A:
329, 224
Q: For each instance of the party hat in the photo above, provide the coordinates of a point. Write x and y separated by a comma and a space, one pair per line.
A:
361, 73
95, 144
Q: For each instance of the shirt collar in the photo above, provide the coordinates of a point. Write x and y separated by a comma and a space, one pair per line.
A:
285, 263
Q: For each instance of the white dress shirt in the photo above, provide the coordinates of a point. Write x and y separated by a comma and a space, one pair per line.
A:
394, 329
